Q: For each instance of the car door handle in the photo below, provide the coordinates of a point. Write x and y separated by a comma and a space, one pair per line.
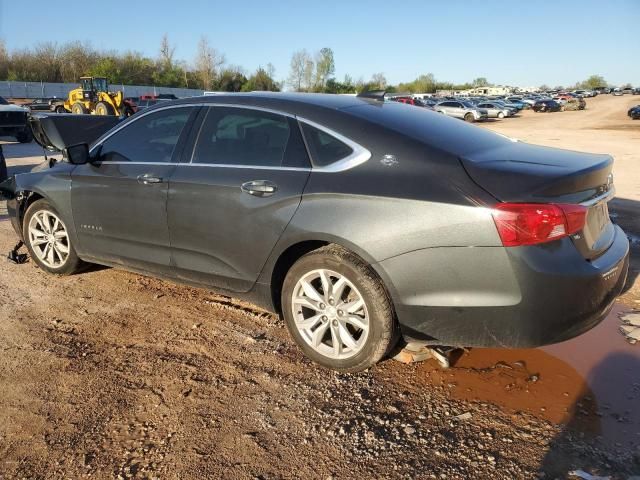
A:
148, 179
259, 188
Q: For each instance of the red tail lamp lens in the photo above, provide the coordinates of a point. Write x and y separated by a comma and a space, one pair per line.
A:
533, 223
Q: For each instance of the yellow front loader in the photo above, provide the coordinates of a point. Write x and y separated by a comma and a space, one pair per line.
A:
93, 97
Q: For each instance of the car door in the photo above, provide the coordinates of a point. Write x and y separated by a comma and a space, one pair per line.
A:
232, 198
119, 200
457, 109
445, 107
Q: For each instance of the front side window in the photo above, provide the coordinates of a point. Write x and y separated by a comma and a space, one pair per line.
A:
325, 149
150, 139
243, 137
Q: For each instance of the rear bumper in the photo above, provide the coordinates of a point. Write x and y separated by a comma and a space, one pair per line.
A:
498, 297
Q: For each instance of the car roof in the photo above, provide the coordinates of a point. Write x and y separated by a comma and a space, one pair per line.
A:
350, 116
316, 99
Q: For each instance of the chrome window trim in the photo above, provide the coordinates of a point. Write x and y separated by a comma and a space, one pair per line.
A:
359, 155
221, 165
135, 119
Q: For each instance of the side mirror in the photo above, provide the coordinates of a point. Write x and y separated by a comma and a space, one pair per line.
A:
77, 154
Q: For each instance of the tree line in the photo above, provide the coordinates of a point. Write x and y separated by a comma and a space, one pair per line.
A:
50, 62
309, 72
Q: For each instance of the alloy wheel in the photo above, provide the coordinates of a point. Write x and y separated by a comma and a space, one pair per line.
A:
49, 239
330, 314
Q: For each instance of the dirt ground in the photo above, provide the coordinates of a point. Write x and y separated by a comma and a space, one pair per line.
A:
109, 374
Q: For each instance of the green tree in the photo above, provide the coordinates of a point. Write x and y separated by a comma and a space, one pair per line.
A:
231, 80
346, 86
480, 82
592, 82
423, 84
106, 66
261, 80
325, 68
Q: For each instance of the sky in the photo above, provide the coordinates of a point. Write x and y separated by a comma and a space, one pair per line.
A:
520, 43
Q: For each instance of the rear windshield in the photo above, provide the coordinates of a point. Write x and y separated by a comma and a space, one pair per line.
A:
433, 129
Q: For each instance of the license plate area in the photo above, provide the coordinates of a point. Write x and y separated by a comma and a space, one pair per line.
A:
597, 229
598, 217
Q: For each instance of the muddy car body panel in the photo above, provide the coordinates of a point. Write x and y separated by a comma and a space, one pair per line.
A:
413, 195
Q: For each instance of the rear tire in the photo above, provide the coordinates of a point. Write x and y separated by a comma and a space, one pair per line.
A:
500, 115
103, 108
354, 312
47, 239
469, 117
60, 109
78, 108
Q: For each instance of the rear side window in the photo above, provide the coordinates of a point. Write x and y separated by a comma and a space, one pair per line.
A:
324, 148
239, 136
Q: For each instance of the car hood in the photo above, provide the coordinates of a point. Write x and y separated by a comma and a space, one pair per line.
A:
60, 130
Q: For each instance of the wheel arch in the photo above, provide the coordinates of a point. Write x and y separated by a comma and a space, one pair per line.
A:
25, 198
281, 263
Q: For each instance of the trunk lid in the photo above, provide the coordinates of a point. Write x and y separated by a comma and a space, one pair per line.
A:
524, 173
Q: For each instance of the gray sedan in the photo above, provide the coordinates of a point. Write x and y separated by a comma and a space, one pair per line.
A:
495, 110
460, 109
362, 223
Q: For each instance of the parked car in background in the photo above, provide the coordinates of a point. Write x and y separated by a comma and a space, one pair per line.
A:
563, 98
531, 100
14, 122
518, 234
628, 90
514, 109
495, 110
603, 90
634, 112
159, 96
519, 103
57, 106
409, 101
618, 92
547, 106
575, 104
40, 104
460, 109
636, 91
146, 103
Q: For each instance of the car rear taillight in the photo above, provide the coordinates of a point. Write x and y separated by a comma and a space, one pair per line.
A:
533, 223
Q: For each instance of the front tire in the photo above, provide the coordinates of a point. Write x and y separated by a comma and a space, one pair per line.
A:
500, 115
103, 108
47, 239
78, 108
337, 310
469, 117
60, 109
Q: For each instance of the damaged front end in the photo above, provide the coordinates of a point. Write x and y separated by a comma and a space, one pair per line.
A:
8, 189
14, 200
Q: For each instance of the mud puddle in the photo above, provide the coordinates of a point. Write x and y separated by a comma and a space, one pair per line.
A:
590, 383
